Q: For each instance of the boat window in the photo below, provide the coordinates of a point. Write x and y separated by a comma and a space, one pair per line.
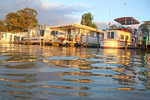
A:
54, 33
112, 35
92, 34
122, 36
108, 35
102, 36
42, 32
127, 38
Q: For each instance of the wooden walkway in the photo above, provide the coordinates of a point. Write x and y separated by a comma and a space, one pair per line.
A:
49, 43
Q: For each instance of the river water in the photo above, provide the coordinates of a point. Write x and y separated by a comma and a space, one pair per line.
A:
32, 72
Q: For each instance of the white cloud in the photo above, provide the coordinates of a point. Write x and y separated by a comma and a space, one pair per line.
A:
48, 13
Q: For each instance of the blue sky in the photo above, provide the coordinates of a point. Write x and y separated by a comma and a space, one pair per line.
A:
138, 9
55, 12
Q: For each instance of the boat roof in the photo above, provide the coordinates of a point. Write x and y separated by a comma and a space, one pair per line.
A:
129, 20
148, 22
75, 25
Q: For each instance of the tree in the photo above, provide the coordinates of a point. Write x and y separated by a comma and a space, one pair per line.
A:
28, 18
2, 26
113, 27
11, 21
87, 19
144, 28
94, 25
22, 20
122, 27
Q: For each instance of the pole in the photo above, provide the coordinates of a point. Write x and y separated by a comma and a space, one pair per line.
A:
109, 19
87, 39
125, 14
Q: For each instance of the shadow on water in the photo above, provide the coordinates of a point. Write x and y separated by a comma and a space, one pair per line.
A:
49, 72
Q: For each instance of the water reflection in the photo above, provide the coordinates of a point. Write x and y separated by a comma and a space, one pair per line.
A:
46, 72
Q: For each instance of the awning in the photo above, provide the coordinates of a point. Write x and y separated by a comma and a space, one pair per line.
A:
75, 25
129, 21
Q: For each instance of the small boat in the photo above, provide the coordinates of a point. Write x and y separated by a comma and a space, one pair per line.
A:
116, 39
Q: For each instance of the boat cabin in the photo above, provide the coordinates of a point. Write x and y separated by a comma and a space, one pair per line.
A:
116, 39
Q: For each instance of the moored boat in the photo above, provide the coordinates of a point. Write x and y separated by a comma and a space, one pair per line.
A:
116, 39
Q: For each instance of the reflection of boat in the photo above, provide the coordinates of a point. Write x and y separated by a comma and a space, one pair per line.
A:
116, 39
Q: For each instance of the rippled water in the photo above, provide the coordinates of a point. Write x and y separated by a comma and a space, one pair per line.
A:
67, 73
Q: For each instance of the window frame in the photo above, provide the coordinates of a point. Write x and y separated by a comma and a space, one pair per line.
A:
110, 35
121, 37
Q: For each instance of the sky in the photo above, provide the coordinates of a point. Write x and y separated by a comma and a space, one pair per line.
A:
56, 12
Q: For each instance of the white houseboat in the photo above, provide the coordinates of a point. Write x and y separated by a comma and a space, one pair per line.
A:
80, 34
44, 34
73, 34
7, 37
116, 39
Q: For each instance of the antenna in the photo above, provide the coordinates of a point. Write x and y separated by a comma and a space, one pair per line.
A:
125, 14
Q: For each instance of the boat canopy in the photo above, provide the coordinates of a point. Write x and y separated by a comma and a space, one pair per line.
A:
129, 21
148, 22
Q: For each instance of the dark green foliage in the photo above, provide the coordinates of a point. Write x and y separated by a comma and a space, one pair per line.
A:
144, 28
87, 19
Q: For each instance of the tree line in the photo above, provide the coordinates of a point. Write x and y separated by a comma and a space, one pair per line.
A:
19, 21
25, 19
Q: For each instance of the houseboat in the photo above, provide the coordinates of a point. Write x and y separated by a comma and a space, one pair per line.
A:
121, 38
44, 34
80, 34
7, 37
72, 34
116, 39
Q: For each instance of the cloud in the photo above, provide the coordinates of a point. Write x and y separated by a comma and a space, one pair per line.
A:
48, 13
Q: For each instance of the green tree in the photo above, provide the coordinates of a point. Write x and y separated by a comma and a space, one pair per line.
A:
2, 26
122, 27
28, 18
113, 27
11, 21
144, 28
87, 19
94, 25
22, 20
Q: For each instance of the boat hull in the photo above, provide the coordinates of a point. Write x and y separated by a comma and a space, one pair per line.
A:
112, 44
